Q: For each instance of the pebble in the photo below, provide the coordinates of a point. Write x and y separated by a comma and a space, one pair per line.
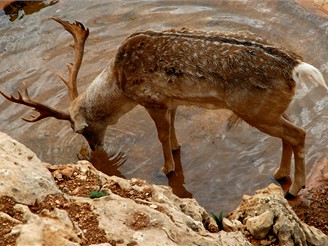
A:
75, 191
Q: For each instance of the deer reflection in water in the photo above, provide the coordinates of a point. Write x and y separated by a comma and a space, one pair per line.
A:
109, 162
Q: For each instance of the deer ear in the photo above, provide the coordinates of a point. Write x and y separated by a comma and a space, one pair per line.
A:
79, 124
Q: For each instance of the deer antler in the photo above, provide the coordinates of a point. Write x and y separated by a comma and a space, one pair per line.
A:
45, 111
80, 34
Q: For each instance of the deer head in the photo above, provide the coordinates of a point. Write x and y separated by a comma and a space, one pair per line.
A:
78, 122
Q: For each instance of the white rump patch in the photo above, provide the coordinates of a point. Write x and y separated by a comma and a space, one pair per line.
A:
304, 71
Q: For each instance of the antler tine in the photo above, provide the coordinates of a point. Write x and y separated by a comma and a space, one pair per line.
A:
80, 33
43, 110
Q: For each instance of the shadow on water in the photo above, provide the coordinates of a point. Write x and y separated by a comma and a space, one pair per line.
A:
109, 163
106, 162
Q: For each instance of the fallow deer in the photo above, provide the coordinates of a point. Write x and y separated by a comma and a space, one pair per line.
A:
162, 70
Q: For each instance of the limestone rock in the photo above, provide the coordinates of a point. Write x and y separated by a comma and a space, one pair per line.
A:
53, 228
22, 175
260, 225
131, 212
154, 215
231, 225
233, 238
287, 227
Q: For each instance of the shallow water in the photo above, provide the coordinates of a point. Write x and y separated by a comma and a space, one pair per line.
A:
218, 166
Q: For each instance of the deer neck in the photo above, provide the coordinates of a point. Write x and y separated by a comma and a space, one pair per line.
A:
103, 101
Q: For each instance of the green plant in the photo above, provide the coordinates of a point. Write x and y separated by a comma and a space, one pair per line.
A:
97, 193
218, 219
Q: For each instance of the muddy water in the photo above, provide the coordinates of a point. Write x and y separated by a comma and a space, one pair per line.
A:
216, 167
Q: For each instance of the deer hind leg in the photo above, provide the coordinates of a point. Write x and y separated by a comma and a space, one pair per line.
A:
162, 119
283, 171
174, 141
293, 136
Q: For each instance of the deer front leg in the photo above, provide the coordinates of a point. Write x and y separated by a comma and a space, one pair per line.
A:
162, 119
174, 141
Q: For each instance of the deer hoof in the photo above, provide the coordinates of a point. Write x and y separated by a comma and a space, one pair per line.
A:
280, 177
289, 196
167, 171
176, 148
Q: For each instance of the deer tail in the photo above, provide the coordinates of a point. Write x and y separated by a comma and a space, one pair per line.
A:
305, 70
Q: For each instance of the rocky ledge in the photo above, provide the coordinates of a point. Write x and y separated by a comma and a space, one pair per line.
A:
74, 204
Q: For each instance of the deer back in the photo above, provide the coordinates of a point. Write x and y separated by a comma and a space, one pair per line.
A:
208, 69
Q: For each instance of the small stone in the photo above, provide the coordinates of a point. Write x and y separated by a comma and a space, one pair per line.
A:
75, 191
57, 175
82, 177
260, 225
246, 197
68, 172
265, 242
231, 225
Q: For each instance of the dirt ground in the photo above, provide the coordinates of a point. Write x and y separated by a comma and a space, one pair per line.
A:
314, 209
312, 204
